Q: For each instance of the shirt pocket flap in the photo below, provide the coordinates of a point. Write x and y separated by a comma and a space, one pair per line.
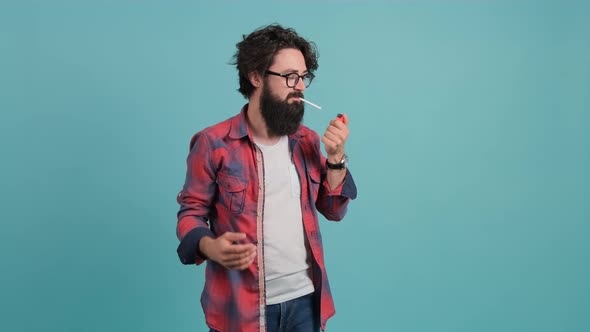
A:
315, 175
231, 183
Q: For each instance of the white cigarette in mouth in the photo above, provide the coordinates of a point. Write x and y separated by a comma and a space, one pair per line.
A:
309, 102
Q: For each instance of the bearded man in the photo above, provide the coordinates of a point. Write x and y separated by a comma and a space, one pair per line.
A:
253, 189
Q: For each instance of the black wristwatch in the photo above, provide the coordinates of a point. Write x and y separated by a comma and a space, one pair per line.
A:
341, 165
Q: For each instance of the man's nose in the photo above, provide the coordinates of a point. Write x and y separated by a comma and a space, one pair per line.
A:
300, 86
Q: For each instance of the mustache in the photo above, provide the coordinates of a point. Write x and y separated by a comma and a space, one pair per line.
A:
297, 94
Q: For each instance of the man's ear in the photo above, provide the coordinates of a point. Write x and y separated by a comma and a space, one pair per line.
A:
255, 79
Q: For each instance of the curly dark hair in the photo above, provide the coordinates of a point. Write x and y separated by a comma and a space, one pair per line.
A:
256, 52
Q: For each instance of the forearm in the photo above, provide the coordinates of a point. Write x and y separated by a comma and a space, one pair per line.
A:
335, 177
204, 245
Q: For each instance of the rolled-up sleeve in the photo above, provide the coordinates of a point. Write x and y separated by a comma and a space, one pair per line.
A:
195, 201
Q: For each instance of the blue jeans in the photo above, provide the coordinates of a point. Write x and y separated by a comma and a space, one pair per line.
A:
298, 315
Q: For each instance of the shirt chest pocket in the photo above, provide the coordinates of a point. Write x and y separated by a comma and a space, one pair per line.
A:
232, 192
314, 183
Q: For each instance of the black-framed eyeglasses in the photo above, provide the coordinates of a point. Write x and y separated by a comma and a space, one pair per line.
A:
293, 78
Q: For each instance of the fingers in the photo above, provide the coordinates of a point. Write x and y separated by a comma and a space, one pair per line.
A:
341, 121
339, 128
231, 252
240, 263
233, 237
336, 135
334, 138
235, 255
230, 248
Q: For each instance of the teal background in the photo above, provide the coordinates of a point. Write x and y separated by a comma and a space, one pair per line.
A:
470, 132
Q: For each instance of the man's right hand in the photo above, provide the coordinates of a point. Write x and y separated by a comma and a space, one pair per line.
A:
225, 250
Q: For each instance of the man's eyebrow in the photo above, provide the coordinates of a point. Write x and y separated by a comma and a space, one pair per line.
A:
291, 70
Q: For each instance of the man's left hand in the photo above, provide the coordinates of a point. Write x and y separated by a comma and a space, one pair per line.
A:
334, 139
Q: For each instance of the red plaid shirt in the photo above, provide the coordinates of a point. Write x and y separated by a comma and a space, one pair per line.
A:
224, 192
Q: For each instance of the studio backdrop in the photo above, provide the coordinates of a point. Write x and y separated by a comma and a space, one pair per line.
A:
469, 144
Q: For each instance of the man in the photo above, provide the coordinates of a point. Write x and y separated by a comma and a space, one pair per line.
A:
254, 185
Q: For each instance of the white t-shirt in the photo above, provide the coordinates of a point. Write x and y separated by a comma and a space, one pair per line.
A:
286, 253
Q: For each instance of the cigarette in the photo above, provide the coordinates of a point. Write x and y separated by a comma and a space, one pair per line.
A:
309, 102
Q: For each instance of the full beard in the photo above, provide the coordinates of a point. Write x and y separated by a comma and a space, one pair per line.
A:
281, 117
